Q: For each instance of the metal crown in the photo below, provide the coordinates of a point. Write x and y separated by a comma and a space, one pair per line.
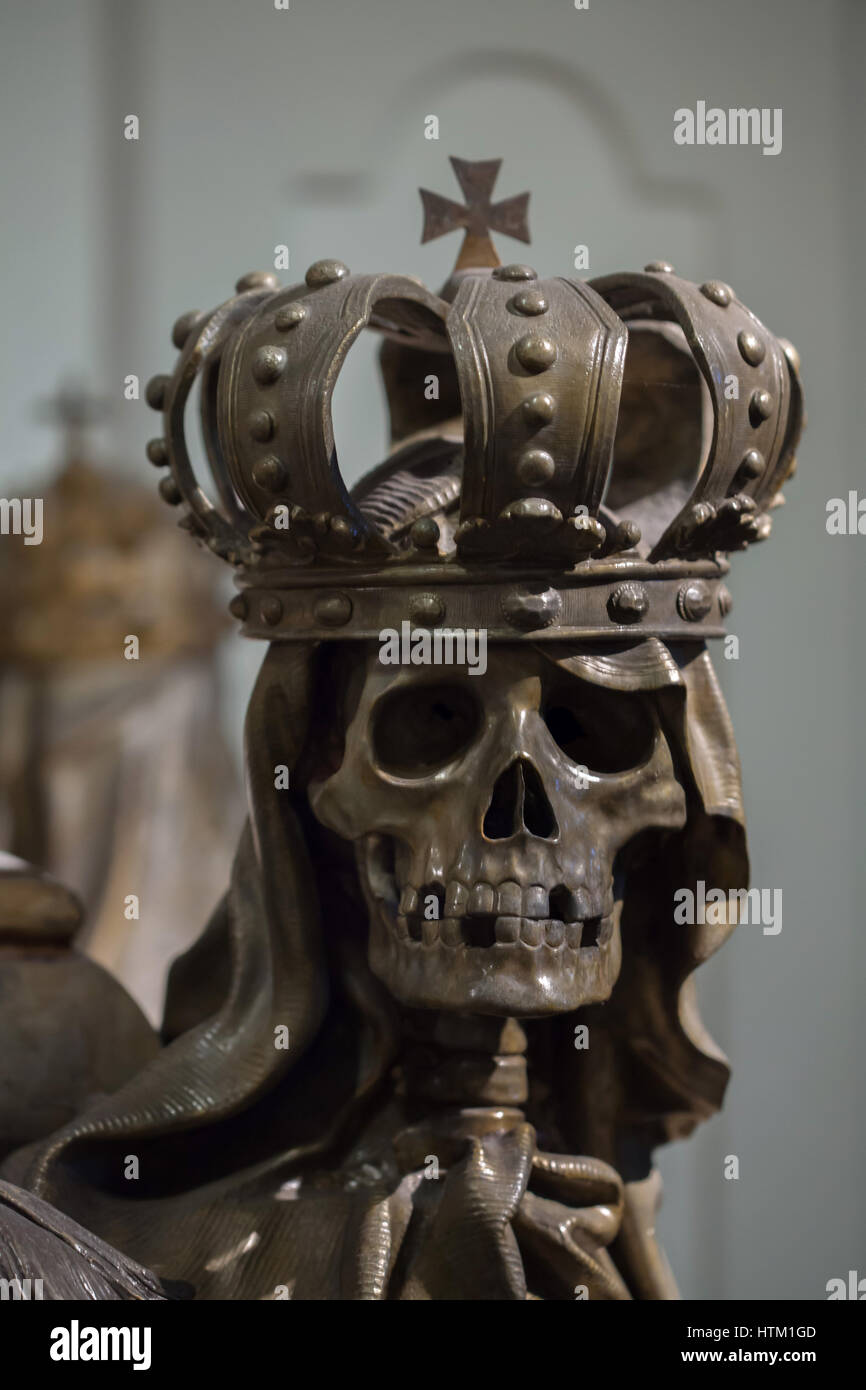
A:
618, 437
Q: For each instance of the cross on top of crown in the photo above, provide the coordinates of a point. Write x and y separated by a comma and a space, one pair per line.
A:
478, 216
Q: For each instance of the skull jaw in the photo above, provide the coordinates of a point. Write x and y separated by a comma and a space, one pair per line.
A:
511, 979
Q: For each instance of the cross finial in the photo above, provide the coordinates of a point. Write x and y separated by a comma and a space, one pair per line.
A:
478, 216
75, 410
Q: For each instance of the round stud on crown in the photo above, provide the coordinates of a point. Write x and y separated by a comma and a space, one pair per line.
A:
539, 408
529, 303
694, 601
169, 491
530, 609
334, 610
701, 513
155, 391
752, 465
535, 467
289, 317
659, 268
270, 474
718, 292
271, 609
535, 353
257, 280
425, 609
760, 407
628, 603
157, 452
515, 272
269, 363
261, 425
624, 535
534, 509
183, 326
752, 350
325, 273
424, 533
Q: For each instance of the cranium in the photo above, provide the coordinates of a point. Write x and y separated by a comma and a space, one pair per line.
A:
487, 812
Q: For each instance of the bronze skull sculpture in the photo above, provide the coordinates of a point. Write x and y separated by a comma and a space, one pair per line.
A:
430, 1038
488, 812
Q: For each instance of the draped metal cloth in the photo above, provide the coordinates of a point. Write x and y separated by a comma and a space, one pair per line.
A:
269, 1172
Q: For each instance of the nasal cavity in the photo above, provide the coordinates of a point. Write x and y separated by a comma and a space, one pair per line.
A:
538, 814
519, 803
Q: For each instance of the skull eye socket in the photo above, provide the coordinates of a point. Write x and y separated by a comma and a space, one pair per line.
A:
420, 729
602, 730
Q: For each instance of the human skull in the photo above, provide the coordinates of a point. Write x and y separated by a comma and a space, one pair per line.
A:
487, 812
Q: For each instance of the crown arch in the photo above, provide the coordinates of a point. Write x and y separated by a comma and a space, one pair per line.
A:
274, 417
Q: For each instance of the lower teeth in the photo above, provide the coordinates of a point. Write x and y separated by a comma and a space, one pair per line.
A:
486, 931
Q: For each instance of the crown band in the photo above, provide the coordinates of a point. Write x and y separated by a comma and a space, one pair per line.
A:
686, 602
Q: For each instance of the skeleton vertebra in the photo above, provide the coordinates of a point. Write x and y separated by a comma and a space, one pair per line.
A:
488, 814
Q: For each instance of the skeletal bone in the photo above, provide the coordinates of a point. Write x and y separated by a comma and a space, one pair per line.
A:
485, 850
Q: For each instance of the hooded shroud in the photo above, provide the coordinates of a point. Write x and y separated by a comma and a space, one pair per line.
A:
280, 1043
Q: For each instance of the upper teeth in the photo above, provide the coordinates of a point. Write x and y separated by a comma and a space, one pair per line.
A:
482, 899
456, 899
503, 900
408, 900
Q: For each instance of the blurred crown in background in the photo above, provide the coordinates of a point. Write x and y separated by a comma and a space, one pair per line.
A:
114, 773
105, 566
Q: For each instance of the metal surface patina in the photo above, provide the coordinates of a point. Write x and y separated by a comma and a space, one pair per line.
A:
428, 1042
